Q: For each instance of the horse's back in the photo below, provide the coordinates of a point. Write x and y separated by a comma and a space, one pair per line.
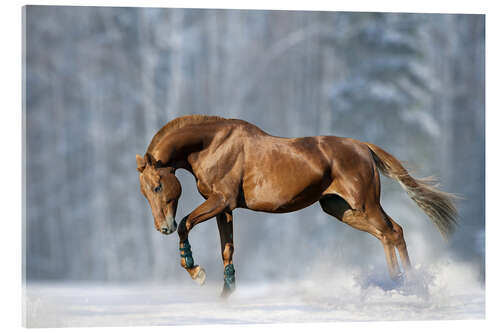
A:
287, 174
282, 174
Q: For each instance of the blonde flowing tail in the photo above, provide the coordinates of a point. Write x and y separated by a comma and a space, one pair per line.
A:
438, 205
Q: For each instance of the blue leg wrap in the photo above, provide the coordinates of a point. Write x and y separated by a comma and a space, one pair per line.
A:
229, 277
186, 253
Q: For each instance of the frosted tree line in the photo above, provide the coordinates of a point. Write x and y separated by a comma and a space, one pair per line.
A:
101, 81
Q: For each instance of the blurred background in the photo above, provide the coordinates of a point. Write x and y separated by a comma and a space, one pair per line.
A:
101, 81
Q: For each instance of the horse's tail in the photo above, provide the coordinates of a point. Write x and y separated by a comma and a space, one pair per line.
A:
438, 205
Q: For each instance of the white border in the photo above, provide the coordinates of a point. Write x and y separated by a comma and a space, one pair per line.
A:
426, 6
10, 250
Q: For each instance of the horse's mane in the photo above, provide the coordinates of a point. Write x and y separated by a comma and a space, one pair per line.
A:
178, 123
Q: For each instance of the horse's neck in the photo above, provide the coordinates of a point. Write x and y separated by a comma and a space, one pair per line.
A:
176, 147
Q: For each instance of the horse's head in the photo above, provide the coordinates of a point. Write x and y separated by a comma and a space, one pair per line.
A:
162, 189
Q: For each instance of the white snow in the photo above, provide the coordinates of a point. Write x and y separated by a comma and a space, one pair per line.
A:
442, 291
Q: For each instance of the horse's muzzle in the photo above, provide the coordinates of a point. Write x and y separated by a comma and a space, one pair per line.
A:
168, 226
167, 231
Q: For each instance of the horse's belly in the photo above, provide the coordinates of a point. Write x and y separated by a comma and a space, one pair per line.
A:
283, 192
278, 205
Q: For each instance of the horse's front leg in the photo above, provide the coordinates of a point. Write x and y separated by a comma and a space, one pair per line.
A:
214, 205
225, 224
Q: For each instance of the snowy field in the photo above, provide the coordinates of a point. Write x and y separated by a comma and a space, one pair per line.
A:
444, 292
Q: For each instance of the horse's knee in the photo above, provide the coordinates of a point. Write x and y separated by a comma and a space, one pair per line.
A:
227, 254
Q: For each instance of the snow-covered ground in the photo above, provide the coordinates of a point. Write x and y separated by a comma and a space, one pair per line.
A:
445, 291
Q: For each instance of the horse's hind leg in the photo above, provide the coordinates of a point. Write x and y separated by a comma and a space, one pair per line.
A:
225, 225
399, 242
371, 220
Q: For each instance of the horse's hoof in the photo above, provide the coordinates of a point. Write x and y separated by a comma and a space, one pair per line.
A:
399, 278
226, 291
200, 276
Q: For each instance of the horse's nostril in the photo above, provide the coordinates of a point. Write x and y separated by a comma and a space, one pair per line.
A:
164, 230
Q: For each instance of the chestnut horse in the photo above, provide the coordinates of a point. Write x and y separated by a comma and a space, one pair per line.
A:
237, 165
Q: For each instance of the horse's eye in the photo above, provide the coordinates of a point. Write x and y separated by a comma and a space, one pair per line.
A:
157, 188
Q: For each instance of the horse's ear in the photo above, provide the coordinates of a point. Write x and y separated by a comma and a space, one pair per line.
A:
141, 163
